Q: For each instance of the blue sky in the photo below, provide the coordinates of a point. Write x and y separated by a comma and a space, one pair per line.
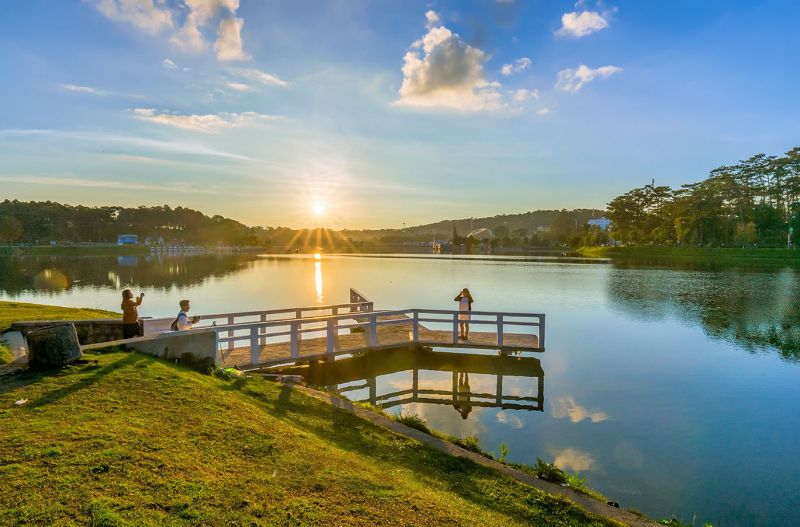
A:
386, 112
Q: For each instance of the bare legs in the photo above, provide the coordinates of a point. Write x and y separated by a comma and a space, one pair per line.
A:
464, 326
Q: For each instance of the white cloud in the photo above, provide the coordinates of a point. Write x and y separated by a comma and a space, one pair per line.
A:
105, 183
517, 66
510, 419
574, 459
207, 123
143, 14
566, 406
570, 80
169, 64
432, 18
83, 89
543, 111
253, 74
229, 40
154, 16
239, 86
443, 71
578, 25
228, 45
522, 95
126, 141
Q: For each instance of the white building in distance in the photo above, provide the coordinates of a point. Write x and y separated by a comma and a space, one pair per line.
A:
603, 223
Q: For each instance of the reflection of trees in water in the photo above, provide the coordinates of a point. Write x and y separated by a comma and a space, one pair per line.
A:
755, 310
27, 273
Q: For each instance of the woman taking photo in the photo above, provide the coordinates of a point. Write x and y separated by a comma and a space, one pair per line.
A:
464, 299
130, 314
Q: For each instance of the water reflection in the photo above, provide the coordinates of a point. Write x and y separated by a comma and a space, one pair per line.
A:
373, 377
318, 277
56, 273
757, 311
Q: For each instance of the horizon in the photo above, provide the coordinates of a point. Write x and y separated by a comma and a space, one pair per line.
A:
401, 115
311, 228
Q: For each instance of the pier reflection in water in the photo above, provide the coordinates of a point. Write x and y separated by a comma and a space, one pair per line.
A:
358, 379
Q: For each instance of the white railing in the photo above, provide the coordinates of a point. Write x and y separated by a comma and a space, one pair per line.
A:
254, 329
160, 325
254, 335
500, 320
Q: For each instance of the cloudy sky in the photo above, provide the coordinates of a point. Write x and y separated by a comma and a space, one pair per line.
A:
386, 112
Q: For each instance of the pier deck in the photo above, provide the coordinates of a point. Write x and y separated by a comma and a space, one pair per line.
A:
389, 336
256, 339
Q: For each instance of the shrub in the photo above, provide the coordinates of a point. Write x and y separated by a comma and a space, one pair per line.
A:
413, 420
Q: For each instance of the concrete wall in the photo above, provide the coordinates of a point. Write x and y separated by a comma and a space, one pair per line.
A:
89, 331
200, 344
153, 326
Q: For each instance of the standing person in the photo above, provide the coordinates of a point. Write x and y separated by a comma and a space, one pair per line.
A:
183, 322
464, 299
130, 314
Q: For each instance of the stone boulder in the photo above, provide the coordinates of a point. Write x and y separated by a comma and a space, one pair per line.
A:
53, 347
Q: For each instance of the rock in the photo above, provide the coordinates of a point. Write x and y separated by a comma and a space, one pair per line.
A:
53, 347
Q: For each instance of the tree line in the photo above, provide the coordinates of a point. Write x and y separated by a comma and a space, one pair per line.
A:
39, 222
753, 203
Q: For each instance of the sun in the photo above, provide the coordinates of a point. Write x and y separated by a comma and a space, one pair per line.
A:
318, 207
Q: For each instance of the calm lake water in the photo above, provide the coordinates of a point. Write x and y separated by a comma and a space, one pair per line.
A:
676, 392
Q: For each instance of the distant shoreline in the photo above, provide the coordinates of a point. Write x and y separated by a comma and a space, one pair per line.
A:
700, 254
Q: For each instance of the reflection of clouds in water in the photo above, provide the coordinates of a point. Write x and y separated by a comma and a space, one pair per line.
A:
574, 459
441, 380
510, 419
565, 406
445, 418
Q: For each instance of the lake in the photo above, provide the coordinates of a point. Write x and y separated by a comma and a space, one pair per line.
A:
673, 391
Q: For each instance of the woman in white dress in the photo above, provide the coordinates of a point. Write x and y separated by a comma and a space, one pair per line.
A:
464, 299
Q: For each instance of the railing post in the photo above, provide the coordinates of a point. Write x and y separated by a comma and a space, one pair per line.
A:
263, 330
219, 359
541, 332
455, 329
230, 332
294, 339
370, 306
499, 330
330, 340
415, 327
373, 330
335, 310
255, 351
298, 313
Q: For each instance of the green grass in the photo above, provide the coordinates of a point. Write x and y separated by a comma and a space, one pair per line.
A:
16, 311
696, 256
692, 253
5, 354
542, 470
127, 439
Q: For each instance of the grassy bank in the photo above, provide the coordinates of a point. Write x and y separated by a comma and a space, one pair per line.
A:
131, 440
717, 255
15, 311
93, 250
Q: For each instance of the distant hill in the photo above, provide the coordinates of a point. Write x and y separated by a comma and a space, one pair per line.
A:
443, 230
42, 222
